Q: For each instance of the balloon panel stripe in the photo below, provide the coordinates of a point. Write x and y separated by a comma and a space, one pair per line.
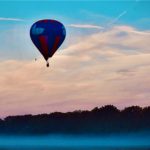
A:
55, 46
44, 44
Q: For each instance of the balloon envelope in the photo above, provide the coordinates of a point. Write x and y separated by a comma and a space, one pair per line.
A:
47, 35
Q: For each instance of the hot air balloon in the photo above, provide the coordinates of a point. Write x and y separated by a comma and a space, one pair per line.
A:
47, 35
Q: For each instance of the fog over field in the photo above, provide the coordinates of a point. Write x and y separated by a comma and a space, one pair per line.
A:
59, 141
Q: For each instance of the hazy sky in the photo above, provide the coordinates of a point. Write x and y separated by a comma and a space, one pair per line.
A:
105, 58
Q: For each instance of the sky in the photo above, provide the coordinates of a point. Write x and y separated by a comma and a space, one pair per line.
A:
105, 58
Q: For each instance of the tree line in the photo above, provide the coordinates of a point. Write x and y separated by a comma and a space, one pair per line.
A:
99, 121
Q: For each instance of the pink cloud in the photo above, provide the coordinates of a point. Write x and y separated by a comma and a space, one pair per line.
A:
86, 74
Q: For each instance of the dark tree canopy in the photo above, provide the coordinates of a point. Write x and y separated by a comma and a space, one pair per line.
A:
104, 120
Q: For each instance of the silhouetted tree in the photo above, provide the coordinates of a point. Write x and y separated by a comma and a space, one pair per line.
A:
104, 120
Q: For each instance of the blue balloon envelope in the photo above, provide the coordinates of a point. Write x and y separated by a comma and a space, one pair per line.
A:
47, 35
